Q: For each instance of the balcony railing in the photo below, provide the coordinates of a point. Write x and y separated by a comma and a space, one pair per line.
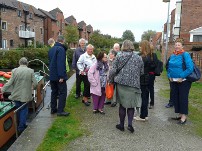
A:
26, 34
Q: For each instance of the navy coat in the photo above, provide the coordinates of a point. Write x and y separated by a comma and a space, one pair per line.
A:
57, 62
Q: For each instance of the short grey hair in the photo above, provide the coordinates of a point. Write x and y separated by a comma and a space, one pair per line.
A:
116, 45
127, 46
61, 39
51, 41
23, 61
90, 46
113, 52
82, 39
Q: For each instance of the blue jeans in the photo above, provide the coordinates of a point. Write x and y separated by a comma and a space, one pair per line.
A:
21, 115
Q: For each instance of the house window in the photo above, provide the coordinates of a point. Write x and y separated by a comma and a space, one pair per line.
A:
4, 25
4, 43
41, 29
30, 15
58, 23
28, 28
197, 38
22, 27
29, 42
11, 43
3, 9
19, 13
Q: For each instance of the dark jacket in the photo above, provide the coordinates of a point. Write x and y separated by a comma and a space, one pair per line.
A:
144, 79
57, 62
77, 53
153, 61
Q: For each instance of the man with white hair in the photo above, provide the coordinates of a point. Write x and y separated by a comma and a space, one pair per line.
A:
84, 63
77, 53
116, 47
21, 82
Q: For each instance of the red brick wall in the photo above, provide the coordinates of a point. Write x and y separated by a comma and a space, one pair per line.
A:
191, 17
13, 23
13, 27
58, 29
172, 22
187, 47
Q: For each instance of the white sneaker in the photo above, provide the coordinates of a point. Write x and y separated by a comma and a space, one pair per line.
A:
137, 118
146, 118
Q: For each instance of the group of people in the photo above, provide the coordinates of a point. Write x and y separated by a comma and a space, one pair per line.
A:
132, 74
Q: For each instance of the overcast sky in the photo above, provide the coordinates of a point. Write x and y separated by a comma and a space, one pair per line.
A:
113, 17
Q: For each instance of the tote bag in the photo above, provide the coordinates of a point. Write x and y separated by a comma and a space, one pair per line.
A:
109, 91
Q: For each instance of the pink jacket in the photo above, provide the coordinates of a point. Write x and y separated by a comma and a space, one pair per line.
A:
94, 79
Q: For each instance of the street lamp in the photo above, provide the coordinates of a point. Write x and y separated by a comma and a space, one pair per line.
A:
166, 50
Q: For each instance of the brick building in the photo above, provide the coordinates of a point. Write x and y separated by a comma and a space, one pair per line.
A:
82, 30
89, 31
54, 24
185, 23
21, 24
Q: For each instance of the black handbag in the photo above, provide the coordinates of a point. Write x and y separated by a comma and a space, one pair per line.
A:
195, 75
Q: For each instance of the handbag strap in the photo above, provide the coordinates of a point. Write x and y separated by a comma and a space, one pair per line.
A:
124, 63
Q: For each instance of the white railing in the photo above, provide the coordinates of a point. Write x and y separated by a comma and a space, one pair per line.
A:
26, 34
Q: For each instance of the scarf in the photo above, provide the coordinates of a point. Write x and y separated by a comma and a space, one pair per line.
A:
178, 52
100, 65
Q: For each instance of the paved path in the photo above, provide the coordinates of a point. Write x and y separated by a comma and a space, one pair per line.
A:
158, 134
31, 138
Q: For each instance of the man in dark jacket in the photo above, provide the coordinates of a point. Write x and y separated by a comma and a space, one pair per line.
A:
77, 53
58, 76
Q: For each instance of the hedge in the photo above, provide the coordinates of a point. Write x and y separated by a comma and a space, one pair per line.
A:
9, 58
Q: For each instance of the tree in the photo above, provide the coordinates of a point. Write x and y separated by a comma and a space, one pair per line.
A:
102, 41
128, 35
71, 34
148, 34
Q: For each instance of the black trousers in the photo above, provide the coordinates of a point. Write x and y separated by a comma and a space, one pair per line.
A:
171, 95
61, 90
145, 101
84, 79
180, 93
151, 88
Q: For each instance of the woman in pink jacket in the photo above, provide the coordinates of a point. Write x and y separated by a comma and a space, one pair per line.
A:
97, 76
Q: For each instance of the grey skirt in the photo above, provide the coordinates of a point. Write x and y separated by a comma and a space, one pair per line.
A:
128, 97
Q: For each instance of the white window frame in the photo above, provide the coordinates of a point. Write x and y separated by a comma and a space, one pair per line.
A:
2, 25
4, 43
19, 13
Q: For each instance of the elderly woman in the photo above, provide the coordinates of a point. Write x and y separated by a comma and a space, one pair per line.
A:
126, 71
111, 57
179, 85
84, 63
21, 81
97, 76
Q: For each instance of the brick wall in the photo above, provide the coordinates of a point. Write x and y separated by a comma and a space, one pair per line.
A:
13, 26
58, 27
187, 47
191, 17
172, 22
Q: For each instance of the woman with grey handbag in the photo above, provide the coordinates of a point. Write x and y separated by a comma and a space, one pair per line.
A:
126, 71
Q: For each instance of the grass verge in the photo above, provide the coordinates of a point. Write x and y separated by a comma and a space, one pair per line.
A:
64, 129
195, 104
